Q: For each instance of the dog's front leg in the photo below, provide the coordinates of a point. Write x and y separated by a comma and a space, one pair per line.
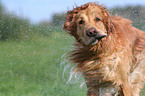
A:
124, 77
92, 91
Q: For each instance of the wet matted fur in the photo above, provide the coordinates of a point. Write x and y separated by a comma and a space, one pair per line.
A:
109, 51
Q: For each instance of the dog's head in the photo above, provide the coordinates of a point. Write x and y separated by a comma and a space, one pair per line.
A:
88, 23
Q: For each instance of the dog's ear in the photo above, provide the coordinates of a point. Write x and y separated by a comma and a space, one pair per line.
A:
70, 24
108, 21
69, 20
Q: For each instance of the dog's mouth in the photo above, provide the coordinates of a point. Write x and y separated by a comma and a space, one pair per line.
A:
94, 35
97, 38
93, 42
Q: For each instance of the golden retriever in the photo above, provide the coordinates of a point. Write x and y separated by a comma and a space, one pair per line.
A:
109, 52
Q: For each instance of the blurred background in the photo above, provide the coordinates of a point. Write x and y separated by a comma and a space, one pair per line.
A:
33, 45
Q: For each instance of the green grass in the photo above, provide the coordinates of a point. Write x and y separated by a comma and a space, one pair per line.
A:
37, 67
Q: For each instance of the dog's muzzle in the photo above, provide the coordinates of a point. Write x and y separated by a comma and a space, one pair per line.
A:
92, 32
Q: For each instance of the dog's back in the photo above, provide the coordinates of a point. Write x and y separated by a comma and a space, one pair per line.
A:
135, 40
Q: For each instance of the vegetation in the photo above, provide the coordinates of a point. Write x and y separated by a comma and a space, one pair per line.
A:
134, 13
58, 19
37, 67
33, 58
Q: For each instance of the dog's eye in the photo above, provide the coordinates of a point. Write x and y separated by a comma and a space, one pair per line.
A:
97, 19
81, 22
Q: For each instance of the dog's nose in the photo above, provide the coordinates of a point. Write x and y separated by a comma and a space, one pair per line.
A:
92, 32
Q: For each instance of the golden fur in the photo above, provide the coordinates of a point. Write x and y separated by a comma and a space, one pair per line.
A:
113, 64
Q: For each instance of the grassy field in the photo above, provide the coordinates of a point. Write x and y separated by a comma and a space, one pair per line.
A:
37, 67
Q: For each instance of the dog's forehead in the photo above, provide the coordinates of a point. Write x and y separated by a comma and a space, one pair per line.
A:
91, 10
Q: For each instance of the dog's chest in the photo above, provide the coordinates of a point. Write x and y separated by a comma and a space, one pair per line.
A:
102, 71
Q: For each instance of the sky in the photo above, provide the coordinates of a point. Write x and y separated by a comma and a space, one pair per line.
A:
40, 10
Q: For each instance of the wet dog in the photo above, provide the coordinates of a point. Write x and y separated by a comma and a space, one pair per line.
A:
110, 53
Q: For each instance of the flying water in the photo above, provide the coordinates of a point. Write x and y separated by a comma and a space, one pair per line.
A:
73, 77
